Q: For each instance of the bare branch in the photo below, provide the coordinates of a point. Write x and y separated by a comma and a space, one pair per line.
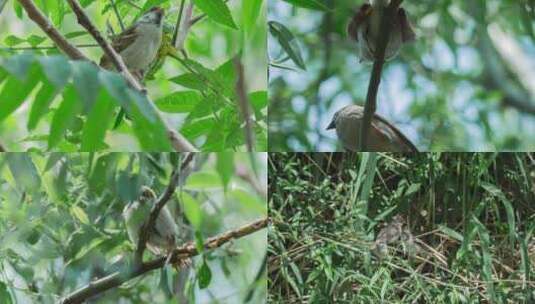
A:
179, 142
184, 252
178, 22
245, 105
373, 87
35, 14
178, 41
149, 225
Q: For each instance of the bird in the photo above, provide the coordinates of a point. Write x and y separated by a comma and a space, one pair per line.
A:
138, 45
364, 28
383, 136
391, 233
164, 237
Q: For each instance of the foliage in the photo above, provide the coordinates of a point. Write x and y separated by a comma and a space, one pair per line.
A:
462, 86
61, 226
48, 102
472, 216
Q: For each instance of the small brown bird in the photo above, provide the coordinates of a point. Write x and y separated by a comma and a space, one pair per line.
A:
165, 236
364, 29
383, 137
391, 233
138, 45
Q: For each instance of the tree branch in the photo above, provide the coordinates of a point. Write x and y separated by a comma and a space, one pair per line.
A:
179, 40
148, 226
385, 28
35, 14
244, 104
178, 22
184, 252
179, 142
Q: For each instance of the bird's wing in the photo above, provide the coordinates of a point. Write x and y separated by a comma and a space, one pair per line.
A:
358, 19
119, 44
407, 34
387, 132
166, 226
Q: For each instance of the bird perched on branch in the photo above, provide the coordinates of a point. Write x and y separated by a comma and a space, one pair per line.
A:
164, 236
138, 45
383, 137
364, 28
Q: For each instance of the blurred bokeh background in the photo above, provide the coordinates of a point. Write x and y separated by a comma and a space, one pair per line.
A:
466, 84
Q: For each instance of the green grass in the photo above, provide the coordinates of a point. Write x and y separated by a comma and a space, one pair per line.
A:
473, 215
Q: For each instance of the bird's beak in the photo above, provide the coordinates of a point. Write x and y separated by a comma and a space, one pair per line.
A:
331, 126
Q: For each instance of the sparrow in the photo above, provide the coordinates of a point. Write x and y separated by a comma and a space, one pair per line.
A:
138, 45
165, 236
391, 233
383, 137
364, 28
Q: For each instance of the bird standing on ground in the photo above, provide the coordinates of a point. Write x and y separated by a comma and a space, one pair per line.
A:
391, 233
138, 45
383, 137
165, 236
364, 28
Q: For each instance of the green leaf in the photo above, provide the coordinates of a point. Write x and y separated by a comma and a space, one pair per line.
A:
225, 167
190, 81
310, 4
13, 40
41, 103
203, 180
18, 65
87, 248
24, 171
15, 92
217, 10
287, 41
451, 233
192, 209
205, 275
57, 69
179, 102
35, 40
64, 116
80, 214
4, 294
98, 120
85, 80
259, 101
215, 140
198, 127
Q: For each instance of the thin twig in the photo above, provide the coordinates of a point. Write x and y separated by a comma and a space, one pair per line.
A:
182, 253
121, 24
51, 47
35, 14
178, 22
373, 87
149, 225
179, 142
184, 28
245, 105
